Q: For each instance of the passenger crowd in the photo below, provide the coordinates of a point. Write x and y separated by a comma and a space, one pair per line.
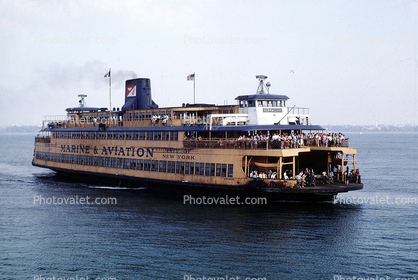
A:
288, 141
303, 178
155, 119
309, 178
275, 141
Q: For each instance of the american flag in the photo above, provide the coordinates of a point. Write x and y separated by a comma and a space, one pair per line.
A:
190, 77
107, 74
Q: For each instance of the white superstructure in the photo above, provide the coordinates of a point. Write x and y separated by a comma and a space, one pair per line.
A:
265, 109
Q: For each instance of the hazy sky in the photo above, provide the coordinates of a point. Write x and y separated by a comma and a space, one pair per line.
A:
350, 62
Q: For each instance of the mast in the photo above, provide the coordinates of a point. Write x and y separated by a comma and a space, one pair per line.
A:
110, 91
260, 89
107, 75
192, 77
194, 88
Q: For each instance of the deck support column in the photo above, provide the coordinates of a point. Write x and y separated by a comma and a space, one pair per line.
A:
293, 168
328, 162
280, 168
245, 166
354, 162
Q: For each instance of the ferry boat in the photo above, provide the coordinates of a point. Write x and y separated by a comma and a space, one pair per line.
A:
258, 146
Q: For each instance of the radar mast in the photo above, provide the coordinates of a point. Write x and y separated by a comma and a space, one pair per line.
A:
261, 86
81, 102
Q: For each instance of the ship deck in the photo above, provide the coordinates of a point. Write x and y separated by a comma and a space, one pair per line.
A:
336, 187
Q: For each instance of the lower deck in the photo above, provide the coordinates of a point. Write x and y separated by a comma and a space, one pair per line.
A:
262, 188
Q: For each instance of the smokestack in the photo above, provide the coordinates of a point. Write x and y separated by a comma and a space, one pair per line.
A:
138, 95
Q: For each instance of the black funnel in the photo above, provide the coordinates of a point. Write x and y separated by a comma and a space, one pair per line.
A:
138, 95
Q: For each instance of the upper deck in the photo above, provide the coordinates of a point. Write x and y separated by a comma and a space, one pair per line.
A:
189, 115
260, 109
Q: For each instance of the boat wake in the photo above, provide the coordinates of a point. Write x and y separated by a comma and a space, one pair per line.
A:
116, 188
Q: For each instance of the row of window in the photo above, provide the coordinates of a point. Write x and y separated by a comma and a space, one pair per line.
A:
98, 116
119, 135
140, 116
179, 167
147, 115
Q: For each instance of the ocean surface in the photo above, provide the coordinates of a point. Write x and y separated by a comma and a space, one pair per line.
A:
367, 234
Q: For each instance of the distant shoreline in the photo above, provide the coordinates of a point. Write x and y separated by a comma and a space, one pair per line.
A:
366, 128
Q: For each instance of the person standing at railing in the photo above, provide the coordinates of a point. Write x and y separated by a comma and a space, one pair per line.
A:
357, 176
351, 176
295, 142
341, 139
346, 174
301, 142
255, 141
334, 170
331, 177
298, 178
303, 184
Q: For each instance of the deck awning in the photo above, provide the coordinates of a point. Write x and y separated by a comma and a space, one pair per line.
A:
262, 96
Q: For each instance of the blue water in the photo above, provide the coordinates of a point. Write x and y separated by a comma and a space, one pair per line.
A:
369, 233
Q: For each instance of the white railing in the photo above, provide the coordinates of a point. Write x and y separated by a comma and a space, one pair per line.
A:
225, 119
57, 118
298, 111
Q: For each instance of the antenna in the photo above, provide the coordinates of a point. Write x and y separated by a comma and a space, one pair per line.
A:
268, 85
260, 89
81, 102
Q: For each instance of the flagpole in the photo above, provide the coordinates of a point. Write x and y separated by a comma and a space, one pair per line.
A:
194, 87
110, 91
